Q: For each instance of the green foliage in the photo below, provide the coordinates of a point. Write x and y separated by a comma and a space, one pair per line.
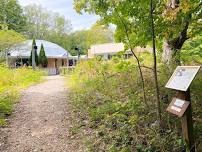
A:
59, 30
42, 23
42, 57
191, 53
35, 52
77, 39
107, 99
133, 23
9, 38
85, 38
2, 122
11, 15
103, 35
11, 81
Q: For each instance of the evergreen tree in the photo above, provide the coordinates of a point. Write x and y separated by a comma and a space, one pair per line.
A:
36, 55
43, 61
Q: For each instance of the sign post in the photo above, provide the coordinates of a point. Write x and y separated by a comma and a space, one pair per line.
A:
34, 50
181, 104
187, 122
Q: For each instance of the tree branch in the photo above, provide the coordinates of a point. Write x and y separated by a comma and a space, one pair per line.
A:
131, 49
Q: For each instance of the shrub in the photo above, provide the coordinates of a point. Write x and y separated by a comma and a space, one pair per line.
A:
107, 99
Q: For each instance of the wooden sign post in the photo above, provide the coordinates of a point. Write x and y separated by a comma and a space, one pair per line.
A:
187, 122
181, 104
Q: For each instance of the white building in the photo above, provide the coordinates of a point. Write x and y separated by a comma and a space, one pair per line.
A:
56, 55
108, 50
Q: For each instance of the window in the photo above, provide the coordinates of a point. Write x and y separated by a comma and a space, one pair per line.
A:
109, 57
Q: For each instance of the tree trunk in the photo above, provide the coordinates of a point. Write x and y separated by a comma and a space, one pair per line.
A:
158, 103
172, 46
167, 52
138, 61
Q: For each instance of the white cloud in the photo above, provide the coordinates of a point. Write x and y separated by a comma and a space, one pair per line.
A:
65, 7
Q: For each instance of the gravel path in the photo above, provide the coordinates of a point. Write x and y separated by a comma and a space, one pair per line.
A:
41, 121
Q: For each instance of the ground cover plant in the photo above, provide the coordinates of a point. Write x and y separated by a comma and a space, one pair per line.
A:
11, 81
107, 99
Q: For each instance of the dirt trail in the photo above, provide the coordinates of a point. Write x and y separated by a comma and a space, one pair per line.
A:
41, 120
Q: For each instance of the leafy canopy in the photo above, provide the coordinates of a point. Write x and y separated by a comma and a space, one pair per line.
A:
11, 16
192, 51
43, 23
134, 16
83, 39
9, 38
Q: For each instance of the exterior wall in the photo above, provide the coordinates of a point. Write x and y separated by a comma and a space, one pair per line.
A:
51, 63
54, 65
90, 53
51, 67
59, 63
110, 49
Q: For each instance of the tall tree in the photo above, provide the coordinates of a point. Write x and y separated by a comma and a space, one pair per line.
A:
43, 23
35, 52
182, 20
118, 13
11, 16
158, 103
43, 61
85, 38
103, 34
176, 21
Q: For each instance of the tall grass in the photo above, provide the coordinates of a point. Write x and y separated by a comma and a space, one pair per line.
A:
107, 99
11, 81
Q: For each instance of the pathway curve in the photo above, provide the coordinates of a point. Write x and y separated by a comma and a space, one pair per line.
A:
41, 120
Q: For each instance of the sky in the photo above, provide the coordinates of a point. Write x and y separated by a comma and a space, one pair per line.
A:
65, 7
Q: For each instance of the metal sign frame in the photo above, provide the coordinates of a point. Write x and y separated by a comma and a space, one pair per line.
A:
182, 77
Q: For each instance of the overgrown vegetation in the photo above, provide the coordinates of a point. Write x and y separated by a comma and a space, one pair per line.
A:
11, 81
172, 23
107, 98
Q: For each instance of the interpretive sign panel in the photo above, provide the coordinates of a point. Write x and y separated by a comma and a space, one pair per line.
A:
182, 77
178, 107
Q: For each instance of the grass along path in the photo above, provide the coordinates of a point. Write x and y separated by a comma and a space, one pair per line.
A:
41, 121
11, 82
